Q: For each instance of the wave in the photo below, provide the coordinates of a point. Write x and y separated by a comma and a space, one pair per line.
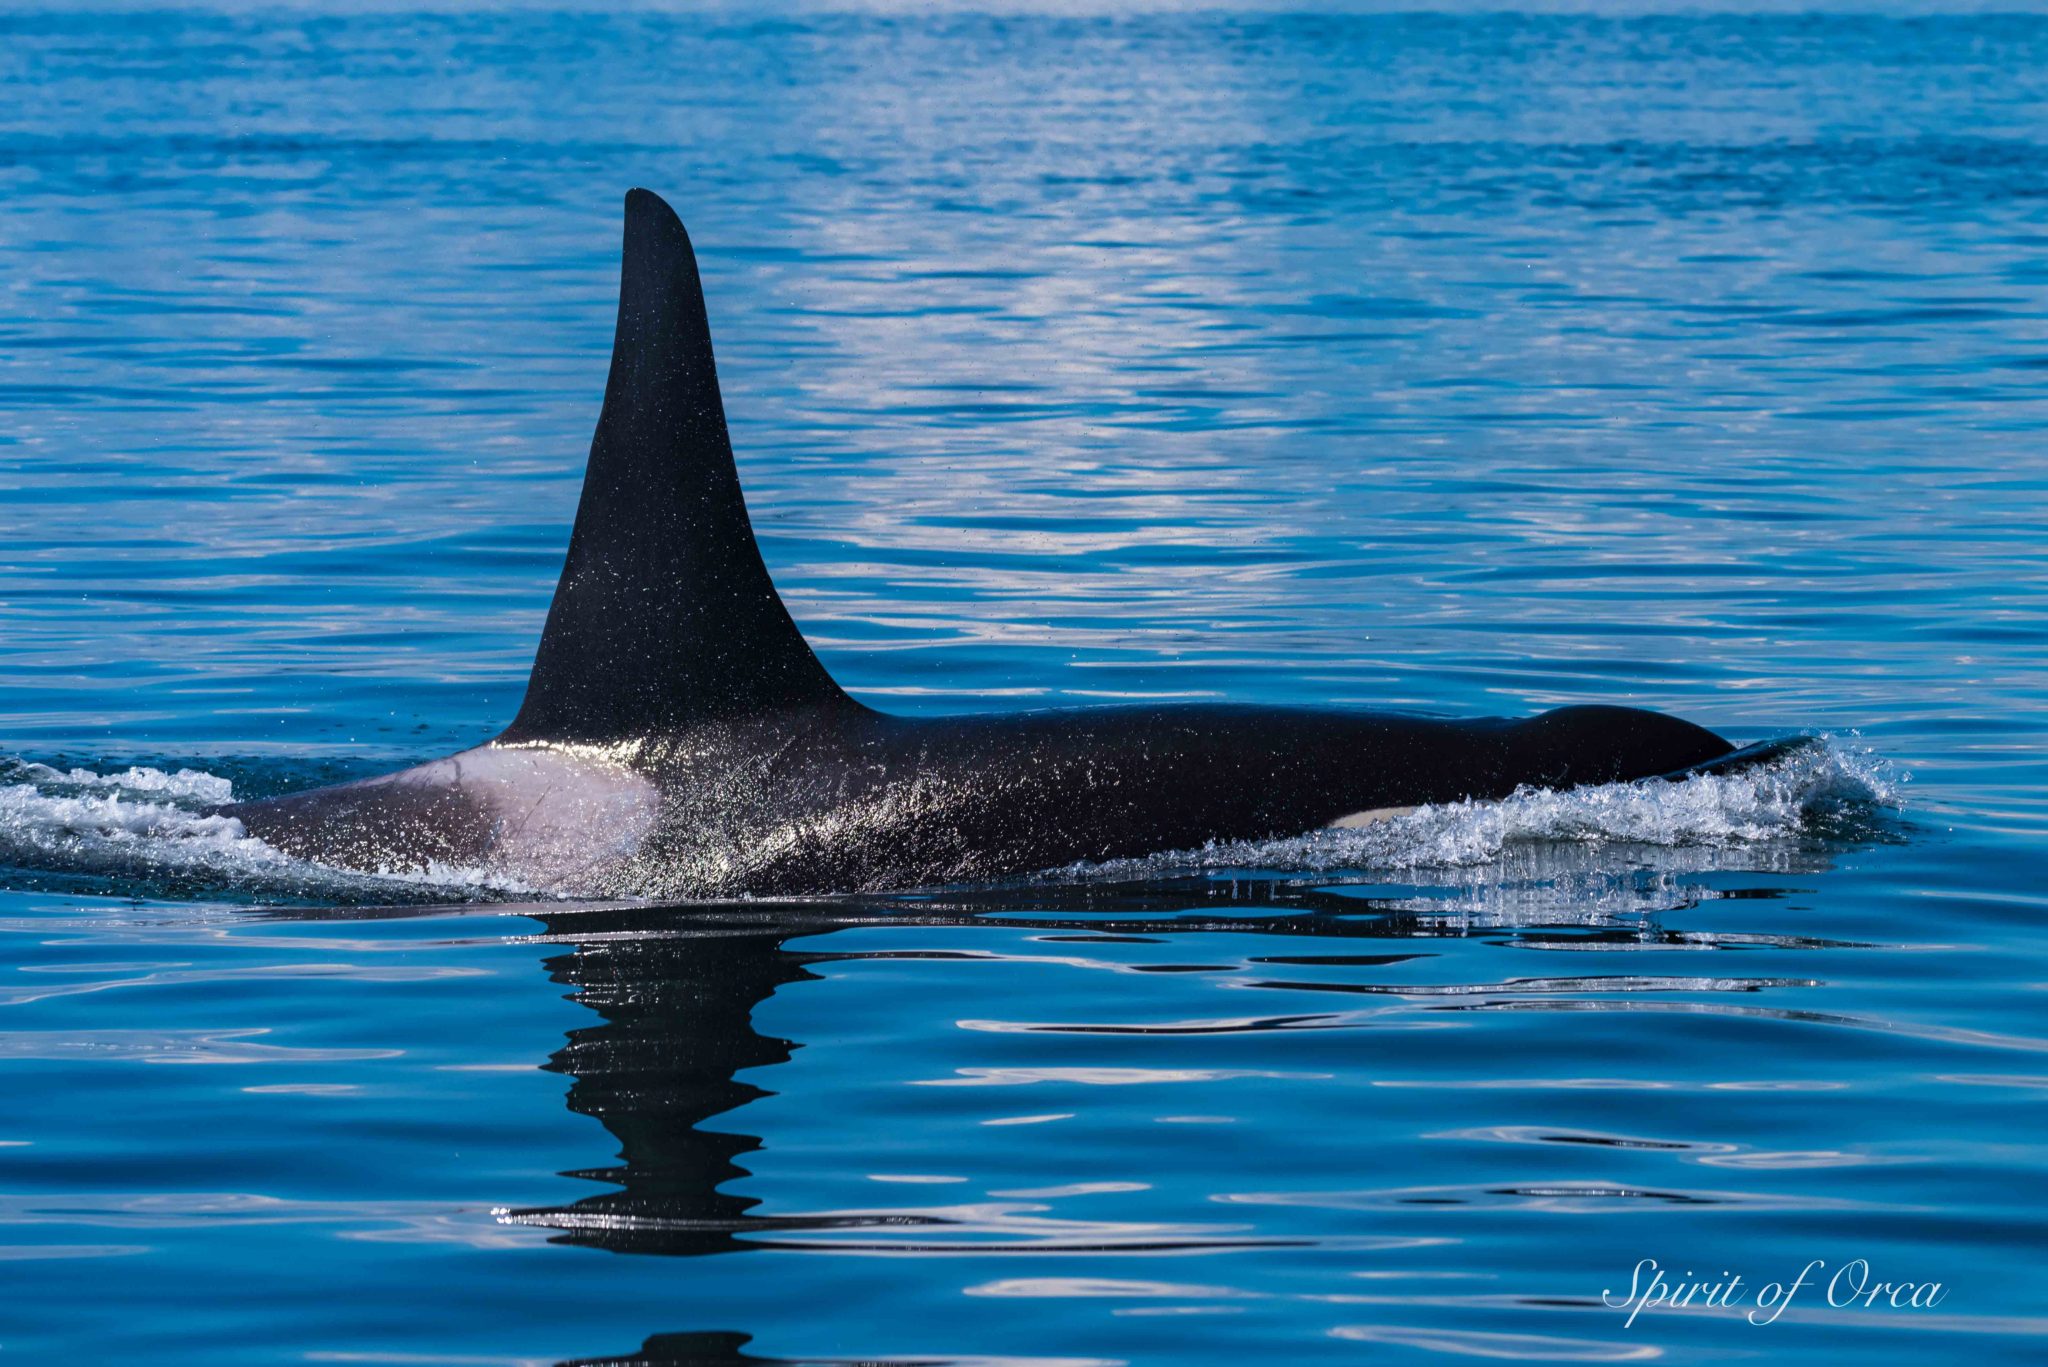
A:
148, 832
1805, 790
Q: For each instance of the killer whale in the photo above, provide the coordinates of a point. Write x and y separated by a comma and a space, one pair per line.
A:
679, 739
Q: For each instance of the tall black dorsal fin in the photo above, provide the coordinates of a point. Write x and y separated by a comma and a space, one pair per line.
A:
665, 615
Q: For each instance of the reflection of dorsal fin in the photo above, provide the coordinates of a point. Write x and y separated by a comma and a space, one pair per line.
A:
665, 615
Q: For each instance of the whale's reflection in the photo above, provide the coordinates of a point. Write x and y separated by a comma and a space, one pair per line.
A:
674, 1058
711, 1349
675, 994
676, 990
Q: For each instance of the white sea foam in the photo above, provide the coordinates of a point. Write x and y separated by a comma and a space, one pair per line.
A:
1772, 802
147, 824
187, 784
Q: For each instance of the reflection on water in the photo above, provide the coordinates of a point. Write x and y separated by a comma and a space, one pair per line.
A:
682, 1057
677, 1003
678, 989
1192, 1117
691, 1350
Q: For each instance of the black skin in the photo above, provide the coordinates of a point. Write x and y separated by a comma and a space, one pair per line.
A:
876, 801
843, 798
668, 648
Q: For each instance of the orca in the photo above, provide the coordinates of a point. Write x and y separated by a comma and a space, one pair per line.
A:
679, 739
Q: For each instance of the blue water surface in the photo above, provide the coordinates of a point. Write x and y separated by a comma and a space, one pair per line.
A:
1471, 362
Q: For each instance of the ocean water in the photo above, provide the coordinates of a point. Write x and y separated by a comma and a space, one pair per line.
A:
1471, 363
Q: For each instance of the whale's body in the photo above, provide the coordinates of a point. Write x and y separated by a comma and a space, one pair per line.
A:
679, 738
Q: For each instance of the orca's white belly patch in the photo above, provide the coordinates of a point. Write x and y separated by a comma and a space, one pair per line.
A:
560, 813
1371, 817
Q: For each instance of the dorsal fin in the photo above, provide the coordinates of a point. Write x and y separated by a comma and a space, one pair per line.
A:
665, 615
